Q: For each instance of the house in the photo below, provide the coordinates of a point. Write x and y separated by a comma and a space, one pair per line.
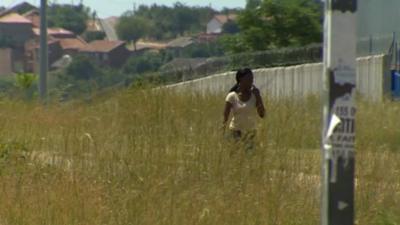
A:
178, 45
142, 47
16, 27
206, 38
17, 30
6, 61
19, 8
72, 46
217, 22
55, 52
111, 53
58, 51
150, 45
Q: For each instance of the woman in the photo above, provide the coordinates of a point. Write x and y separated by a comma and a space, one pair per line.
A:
243, 100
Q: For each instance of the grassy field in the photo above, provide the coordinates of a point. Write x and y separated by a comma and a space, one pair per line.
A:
142, 157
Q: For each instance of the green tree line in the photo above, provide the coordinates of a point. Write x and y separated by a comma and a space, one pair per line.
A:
272, 24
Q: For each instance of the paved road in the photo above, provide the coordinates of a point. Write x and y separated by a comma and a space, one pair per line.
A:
109, 30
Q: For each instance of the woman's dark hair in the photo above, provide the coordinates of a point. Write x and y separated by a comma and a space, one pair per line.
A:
239, 75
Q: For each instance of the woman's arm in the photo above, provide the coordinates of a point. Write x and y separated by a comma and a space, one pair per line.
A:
227, 111
259, 102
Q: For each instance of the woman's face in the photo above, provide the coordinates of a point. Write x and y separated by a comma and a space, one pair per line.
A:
247, 81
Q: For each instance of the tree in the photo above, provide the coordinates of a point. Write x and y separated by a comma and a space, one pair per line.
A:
94, 35
203, 50
169, 22
253, 4
276, 24
183, 18
69, 17
148, 62
293, 22
131, 28
230, 27
25, 83
82, 68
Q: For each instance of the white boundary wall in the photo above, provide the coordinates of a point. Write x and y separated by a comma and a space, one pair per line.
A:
373, 80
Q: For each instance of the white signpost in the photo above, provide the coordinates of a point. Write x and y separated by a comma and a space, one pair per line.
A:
338, 135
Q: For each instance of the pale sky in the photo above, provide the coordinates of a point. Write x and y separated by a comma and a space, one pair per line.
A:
106, 8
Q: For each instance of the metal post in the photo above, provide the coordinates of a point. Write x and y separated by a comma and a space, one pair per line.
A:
338, 133
43, 51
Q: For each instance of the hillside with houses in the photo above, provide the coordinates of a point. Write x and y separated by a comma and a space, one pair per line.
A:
21, 26
151, 43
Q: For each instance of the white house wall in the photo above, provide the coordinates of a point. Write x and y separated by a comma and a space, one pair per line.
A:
214, 27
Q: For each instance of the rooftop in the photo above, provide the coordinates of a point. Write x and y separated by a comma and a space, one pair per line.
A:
54, 31
102, 46
180, 42
72, 43
14, 18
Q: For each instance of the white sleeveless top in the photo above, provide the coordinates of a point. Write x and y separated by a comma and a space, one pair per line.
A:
244, 113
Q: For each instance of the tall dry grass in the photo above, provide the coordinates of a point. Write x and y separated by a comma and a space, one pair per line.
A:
158, 157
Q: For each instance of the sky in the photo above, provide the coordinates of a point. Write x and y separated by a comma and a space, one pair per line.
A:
106, 8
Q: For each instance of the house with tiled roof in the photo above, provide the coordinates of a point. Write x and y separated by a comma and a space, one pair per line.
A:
16, 30
215, 25
19, 8
6, 61
58, 47
55, 52
111, 53
16, 27
71, 46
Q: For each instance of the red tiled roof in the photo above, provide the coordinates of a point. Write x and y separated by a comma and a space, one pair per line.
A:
35, 45
72, 43
102, 46
14, 18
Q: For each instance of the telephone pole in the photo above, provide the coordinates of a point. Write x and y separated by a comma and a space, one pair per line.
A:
43, 51
338, 133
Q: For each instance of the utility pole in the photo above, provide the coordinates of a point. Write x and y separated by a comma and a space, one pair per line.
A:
338, 132
43, 51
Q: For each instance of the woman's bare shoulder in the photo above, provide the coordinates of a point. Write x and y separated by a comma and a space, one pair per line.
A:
230, 96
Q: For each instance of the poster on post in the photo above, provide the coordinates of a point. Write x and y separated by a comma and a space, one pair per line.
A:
339, 112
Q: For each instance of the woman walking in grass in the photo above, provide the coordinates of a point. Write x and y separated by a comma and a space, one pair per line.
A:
244, 101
